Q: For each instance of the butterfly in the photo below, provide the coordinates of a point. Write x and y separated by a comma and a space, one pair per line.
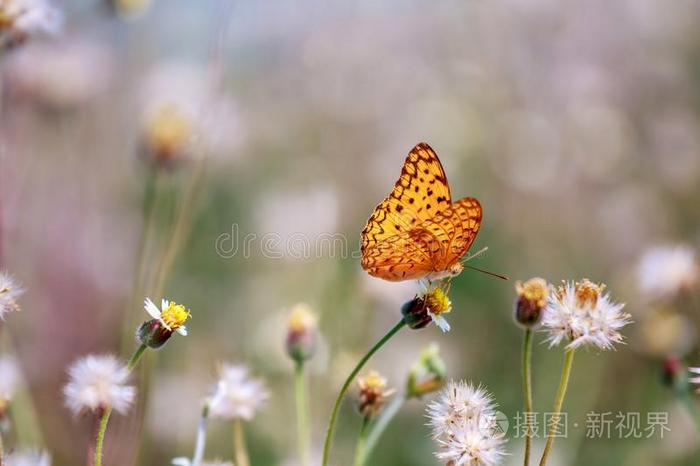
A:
417, 232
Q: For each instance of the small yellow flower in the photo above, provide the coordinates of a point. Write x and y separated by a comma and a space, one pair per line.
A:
168, 132
438, 302
373, 393
301, 319
171, 315
532, 298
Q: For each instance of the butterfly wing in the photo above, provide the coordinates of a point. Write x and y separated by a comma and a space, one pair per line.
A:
454, 229
394, 246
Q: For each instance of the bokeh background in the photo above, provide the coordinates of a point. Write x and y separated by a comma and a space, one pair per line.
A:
577, 125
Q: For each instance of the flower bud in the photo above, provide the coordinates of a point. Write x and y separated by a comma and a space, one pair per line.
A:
532, 298
372, 394
675, 375
302, 333
415, 313
427, 375
153, 334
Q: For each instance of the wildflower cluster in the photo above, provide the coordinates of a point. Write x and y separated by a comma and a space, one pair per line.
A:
462, 420
581, 313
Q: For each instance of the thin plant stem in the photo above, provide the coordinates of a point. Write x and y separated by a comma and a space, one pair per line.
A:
201, 436
336, 408
104, 420
181, 228
383, 421
239, 446
527, 389
686, 400
2, 452
150, 195
301, 394
558, 402
361, 439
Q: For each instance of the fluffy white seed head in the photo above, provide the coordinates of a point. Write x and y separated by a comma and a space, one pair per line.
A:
96, 383
582, 314
237, 395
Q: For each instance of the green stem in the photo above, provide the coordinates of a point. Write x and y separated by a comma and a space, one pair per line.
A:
690, 406
301, 390
378, 428
104, 420
527, 388
346, 386
241, 452
2, 452
558, 402
201, 436
148, 222
360, 449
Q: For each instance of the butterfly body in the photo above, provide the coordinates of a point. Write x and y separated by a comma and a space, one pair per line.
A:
417, 232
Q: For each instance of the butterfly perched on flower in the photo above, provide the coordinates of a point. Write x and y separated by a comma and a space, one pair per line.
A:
417, 232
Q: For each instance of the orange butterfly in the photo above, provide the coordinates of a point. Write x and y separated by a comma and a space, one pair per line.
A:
417, 231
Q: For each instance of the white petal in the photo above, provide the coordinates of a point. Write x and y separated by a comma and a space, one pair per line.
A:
440, 321
182, 331
164, 303
181, 461
694, 370
151, 308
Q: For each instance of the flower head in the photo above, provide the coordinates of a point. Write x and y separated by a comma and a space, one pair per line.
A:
372, 394
463, 423
10, 378
458, 403
21, 19
187, 462
171, 317
28, 458
429, 305
694, 376
665, 270
10, 291
582, 314
532, 298
427, 374
301, 333
97, 383
237, 395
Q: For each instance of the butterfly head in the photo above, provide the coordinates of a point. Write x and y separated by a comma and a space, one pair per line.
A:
452, 270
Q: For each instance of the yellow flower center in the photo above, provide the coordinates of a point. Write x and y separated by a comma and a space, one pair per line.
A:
534, 290
168, 131
587, 292
437, 302
301, 319
175, 315
372, 381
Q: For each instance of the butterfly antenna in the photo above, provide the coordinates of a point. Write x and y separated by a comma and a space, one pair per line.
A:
502, 277
476, 254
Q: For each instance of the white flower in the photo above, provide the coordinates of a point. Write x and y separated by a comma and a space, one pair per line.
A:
581, 314
20, 19
171, 315
182, 461
437, 303
10, 291
98, 382
457, 403
237, 394
695, 371
463, 423
665, 270
470, 445
10, 378
28, 458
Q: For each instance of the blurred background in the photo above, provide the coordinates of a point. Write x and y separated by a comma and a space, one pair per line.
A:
576, 124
